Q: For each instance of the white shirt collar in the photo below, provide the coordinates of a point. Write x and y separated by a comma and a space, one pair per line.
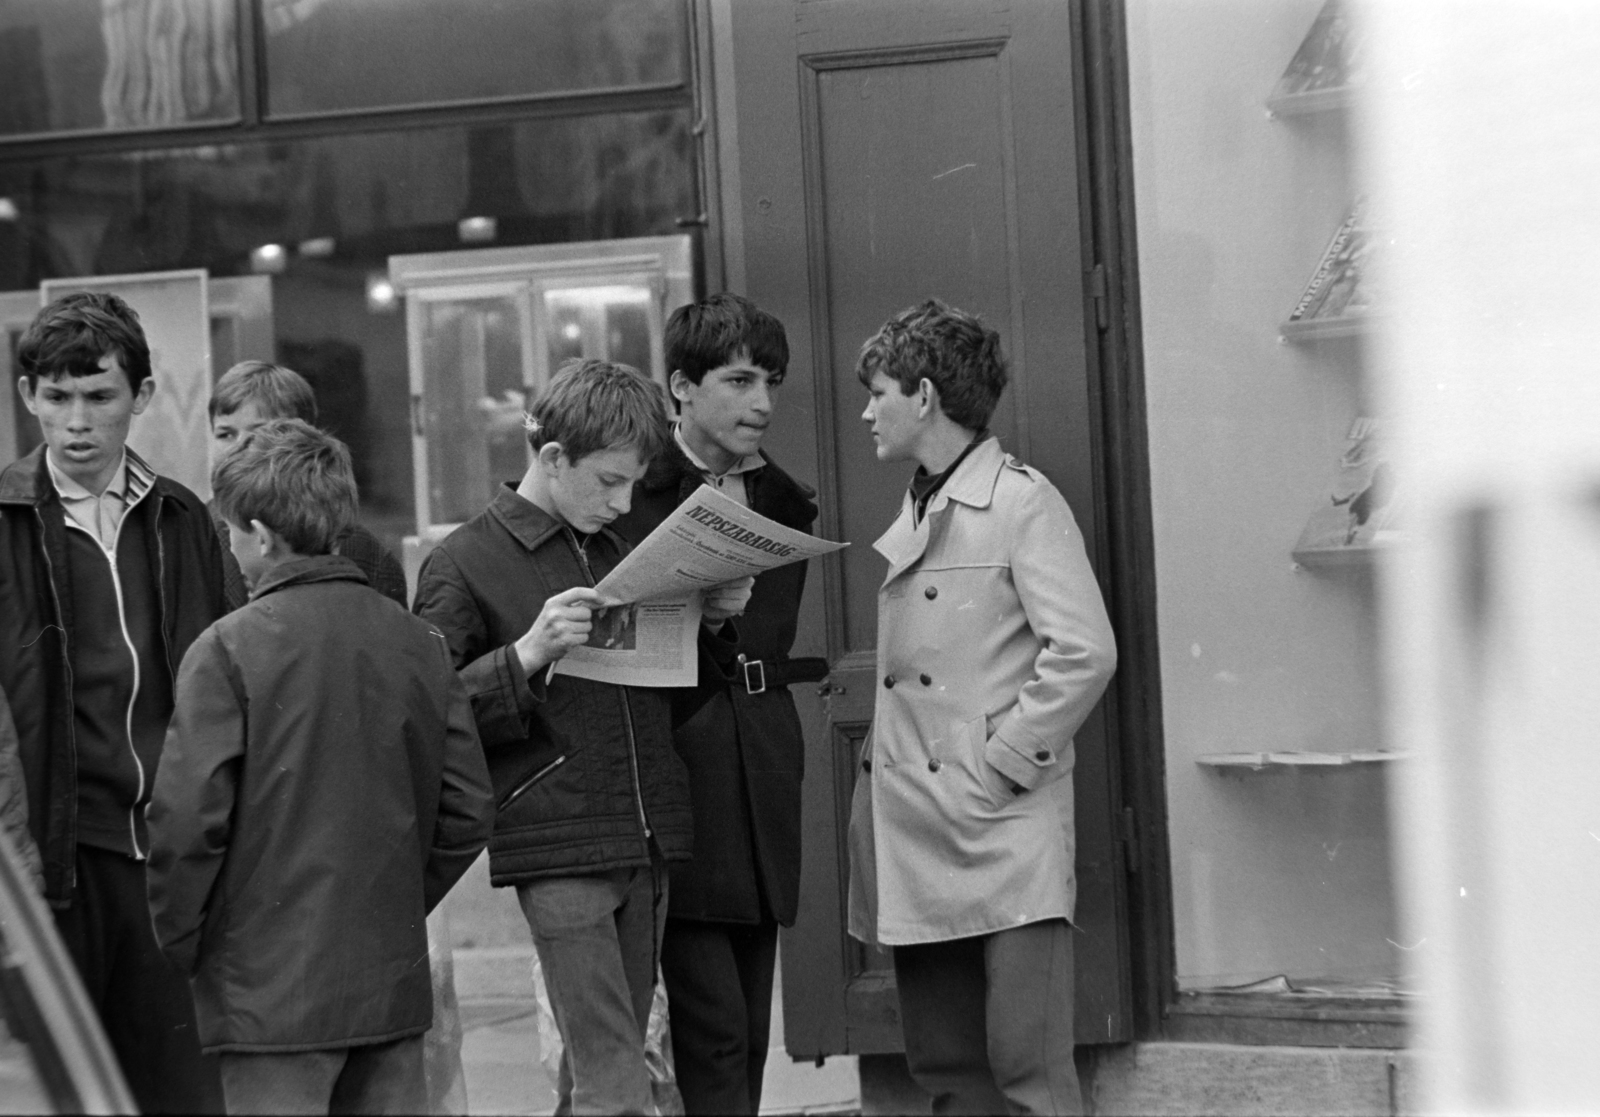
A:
744, 465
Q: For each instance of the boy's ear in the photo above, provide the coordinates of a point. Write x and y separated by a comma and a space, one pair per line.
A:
550, 455
141, 398
270, 542
25, 390
928, 406
679, 385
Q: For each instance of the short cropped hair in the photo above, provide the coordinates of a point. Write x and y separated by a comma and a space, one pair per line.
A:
71, 335
716, 331
592, 405
292, 477
950, 347
279, 393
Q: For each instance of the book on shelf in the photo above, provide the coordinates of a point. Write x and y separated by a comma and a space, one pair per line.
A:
1360, 511
1341, 287
1331, 56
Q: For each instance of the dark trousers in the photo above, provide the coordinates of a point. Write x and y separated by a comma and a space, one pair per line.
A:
719, 1001
143, 1001
988, 1020
377, 1078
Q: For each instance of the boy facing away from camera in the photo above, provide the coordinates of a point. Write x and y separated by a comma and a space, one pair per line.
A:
592, 799
321, 789
254, 392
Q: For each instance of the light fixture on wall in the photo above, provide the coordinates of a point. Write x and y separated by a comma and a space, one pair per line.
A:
382, 297
8, 210
477, 230
268, 259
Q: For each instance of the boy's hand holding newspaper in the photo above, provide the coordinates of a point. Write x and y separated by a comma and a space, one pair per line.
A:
563, 624
726, 600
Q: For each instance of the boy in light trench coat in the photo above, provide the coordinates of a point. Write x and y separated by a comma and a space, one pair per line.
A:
993, 647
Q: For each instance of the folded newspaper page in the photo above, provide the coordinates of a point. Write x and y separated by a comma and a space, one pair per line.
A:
647, 635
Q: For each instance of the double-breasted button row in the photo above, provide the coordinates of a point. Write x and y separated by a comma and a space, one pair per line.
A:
925, 679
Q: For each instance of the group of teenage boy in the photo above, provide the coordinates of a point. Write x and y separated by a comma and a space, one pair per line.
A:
243, 778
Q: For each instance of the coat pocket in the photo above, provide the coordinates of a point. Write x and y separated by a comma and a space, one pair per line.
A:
995, 789
527, 784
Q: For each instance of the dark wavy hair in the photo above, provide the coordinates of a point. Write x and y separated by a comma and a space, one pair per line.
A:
716, 331
292, 477
950, 347
71, 335
592, 405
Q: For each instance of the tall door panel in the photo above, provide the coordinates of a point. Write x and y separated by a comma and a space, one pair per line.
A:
887, 152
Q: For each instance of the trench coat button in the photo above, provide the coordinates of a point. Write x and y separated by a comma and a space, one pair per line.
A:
931, 592
934, 765
888, 681
927, 680
1042, 755
866, 765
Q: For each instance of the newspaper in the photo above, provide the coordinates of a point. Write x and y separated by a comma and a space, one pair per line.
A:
646, 635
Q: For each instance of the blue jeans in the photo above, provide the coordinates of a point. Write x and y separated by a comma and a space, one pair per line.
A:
599, 942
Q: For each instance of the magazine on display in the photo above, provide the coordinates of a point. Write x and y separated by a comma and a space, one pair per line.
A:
1359, 513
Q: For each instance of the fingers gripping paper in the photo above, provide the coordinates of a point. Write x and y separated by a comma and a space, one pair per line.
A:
645, 636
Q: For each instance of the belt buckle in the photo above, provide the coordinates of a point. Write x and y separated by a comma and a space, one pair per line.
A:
761, 673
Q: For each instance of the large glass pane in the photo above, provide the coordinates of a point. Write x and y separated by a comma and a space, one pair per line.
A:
473, 399
84, 65
321, 218
339, 55
611, 323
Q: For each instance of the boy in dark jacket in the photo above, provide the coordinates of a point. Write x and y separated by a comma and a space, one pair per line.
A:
743, 749
322, 789
593, 803
108, 572
249, 394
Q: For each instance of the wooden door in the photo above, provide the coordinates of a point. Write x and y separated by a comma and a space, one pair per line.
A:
875, 153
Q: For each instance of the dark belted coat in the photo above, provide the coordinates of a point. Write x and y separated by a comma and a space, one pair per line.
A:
744, 751
993, 647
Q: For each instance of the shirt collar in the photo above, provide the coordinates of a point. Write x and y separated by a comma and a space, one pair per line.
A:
746, 464
71, 490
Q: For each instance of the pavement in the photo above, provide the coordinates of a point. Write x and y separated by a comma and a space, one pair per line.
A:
500, 1047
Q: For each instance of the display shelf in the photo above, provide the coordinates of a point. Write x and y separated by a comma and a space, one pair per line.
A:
1316, 329
1259, 761
1326, 71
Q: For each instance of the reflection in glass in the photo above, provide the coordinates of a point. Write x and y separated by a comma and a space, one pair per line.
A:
84, 65
474, 396
341, 55
611, 323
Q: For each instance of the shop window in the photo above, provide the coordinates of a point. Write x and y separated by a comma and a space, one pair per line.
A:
318, 219
84, 66
347, 55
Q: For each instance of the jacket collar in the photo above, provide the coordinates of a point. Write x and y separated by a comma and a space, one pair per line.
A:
531, 525
772, 492
27, 481
971, 484
312, 568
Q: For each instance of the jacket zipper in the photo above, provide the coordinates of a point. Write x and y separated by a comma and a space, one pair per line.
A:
66, 666
522, 788
127, 638
627, 714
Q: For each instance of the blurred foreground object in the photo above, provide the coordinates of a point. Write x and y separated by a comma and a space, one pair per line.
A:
72, 1068
1482, 138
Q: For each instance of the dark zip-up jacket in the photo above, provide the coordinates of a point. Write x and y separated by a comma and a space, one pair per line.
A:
321, 789
584, 772
37, 618
744, 751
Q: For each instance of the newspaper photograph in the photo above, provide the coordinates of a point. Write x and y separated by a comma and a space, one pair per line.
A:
646, 635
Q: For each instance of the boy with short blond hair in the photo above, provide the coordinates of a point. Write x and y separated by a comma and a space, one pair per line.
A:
249, 394
593, 801
322, 789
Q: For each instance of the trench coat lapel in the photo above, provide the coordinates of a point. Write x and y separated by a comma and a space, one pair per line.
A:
972, 484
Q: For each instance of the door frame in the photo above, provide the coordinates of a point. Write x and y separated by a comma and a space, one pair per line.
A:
1126, 548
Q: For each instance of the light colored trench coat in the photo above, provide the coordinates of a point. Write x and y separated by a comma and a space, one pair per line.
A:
993, 646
